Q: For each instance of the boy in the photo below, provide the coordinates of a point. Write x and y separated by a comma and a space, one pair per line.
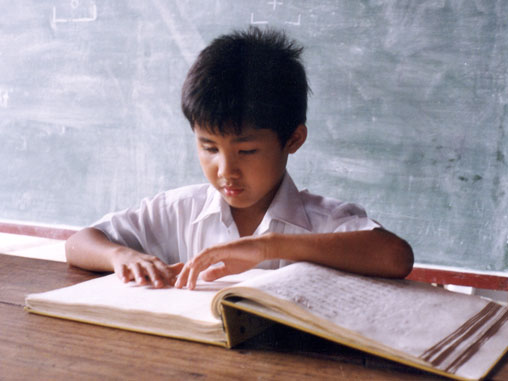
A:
246, 100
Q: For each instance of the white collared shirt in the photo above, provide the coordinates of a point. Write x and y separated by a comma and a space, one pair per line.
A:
178, 224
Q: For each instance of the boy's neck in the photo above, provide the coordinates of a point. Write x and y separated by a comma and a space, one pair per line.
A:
247, 221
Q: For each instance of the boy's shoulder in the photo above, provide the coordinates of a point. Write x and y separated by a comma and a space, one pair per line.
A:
188, 196
318, 208
328, 206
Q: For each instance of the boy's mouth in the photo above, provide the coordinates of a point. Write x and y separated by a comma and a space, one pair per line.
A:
232, 191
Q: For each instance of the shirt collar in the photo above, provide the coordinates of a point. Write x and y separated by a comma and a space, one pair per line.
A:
215, 204
286, 207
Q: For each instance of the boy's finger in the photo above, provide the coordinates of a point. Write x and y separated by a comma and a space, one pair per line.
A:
164, 272
177, 267
139, 276
193, 276
123, 273
170, 271
198, 264
173, 272
182, 277
154, 275
214, 273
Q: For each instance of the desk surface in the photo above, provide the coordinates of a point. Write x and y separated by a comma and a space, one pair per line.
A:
48, 348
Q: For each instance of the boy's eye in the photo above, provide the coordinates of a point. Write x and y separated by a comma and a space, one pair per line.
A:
210, 149
248, 152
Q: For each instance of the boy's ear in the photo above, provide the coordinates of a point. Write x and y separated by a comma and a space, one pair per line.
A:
296, 140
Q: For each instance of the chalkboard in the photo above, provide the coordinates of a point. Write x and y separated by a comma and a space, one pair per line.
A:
408, 115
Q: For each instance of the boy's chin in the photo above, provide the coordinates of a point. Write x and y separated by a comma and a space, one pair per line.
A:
237, 202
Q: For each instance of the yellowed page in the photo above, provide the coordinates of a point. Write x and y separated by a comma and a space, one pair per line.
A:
168, 311
408, 317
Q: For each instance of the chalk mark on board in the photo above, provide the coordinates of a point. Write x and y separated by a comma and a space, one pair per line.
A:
256, 22
4, 98
275, 3
253, 21
298, 21
181, 28
92, 15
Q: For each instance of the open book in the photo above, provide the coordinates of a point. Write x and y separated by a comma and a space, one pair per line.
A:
455, 335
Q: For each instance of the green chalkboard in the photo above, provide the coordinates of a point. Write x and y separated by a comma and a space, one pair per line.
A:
408, 115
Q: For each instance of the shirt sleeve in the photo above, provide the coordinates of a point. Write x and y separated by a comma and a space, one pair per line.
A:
347, 217
140, 228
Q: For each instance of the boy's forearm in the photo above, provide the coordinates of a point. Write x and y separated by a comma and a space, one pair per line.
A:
90, 249
376, 252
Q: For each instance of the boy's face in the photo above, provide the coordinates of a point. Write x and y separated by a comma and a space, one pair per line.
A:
246, 169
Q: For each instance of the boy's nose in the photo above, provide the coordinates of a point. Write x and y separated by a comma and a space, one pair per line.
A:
228, 167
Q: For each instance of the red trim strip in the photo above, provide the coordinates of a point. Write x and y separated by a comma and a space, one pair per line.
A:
36, 231
486, 281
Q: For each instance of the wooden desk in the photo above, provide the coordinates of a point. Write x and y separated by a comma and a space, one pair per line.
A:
47, 348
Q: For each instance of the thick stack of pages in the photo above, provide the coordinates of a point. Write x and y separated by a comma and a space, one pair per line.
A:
455, 335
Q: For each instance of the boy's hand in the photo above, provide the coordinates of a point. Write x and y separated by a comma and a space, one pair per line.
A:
236, 257
144, 269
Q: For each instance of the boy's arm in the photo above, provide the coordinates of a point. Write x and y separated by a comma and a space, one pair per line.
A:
90, 249
375, 252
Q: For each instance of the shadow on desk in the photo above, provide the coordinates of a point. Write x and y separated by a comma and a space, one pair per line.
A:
282, 339
56, 349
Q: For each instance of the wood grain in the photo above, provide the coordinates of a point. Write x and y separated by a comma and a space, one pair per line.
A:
47, 348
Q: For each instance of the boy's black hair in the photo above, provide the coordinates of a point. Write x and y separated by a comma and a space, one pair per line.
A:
249, 78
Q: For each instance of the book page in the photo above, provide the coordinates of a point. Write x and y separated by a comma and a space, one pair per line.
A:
109, 301
404, 315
